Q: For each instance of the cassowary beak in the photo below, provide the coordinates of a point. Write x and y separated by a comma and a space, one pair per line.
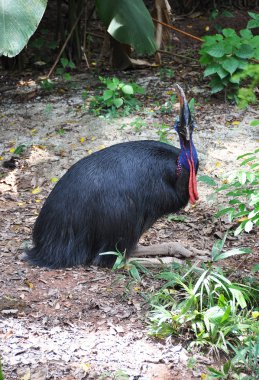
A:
185, 114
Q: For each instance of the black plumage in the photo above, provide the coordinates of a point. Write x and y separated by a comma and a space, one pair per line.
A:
107, 200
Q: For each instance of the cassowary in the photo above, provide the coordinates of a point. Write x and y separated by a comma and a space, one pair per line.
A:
107, 200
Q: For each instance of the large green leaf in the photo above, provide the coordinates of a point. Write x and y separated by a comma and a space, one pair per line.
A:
128, 22
230, 64
244, 51
211, 69
255, 22
18, 21
216, 85
217, 50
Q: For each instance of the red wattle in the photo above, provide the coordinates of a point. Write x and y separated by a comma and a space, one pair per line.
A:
193, 193
192, 187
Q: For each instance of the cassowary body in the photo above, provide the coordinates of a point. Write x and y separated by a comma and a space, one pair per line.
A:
107, 200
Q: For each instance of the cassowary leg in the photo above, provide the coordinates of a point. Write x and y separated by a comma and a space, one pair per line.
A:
174, 249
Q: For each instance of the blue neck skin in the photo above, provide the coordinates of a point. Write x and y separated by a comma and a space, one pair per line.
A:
187, 147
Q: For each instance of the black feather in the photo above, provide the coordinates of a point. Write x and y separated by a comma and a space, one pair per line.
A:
106, 201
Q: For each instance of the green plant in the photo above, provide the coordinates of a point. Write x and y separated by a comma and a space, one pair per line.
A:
118, 96
166, 108
204, 304
191, 362
246, 355
85, 95
18, 22
48, 109
166, 73
60, 131
242, 191
215, 13
121, 375
246, 95
192, 106
47, 84
227, 54
138, 124
118, 375
128, 22
245, 359
41, 42
254, 123
66, 65
176, 218
19, 150
42, 47
1, 371
162, 132
133, 267
254, 23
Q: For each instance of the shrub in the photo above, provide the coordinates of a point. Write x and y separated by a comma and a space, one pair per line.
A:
118, 98
226, 54
242, 192
246, 95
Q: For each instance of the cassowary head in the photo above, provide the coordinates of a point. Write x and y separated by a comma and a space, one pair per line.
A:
187, 159
184, 124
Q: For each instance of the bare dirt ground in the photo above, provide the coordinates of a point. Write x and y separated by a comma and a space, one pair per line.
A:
83, 323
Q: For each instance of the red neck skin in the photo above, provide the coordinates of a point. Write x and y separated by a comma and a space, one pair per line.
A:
193, 192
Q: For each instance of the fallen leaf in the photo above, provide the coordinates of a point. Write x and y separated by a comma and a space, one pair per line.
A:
37, 190
42, 147
28, 283
21, 204
54, 179
33, 131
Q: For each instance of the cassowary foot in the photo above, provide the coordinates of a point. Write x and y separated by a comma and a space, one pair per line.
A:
167, 253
